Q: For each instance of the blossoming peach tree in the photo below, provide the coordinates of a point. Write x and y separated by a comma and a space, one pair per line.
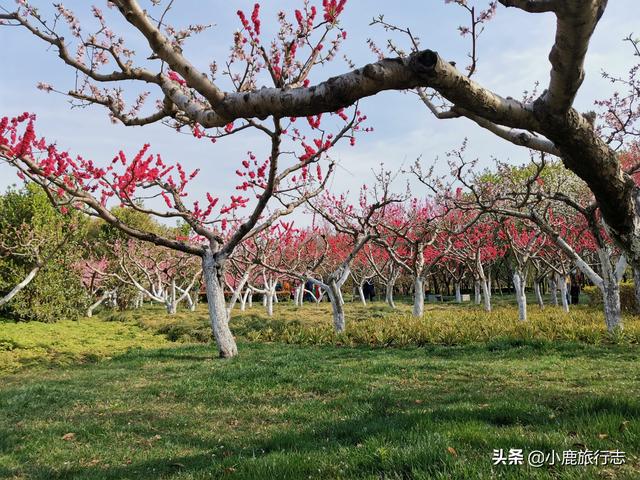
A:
296, 168
546, 122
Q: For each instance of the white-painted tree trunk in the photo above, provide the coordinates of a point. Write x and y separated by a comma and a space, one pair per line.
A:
486, 295
95, 305
388, 296
476, 290
518, 285
561, 281
418, 296
611, 300
458, 294
361, 295
217, 308
243, 300
335, 297
269, 303
20, 286
610, 287
553, 290
538, 291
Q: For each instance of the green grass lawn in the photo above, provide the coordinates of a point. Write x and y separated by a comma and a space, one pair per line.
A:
102, 399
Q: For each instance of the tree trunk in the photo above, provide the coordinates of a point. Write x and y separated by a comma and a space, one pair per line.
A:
553, 290
538, 290
518, 286
243, 300
393, 277
15, 290
563, 292
476, 287
268, 295
361, 295
95, 305
611, 300
217, 308
486, 294
418, 297
458, 294
337, 307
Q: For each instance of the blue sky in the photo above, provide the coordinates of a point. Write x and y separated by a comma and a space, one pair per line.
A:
513, 55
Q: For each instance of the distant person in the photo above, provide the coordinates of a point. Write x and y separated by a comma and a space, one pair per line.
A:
372, 290
575, 292
308, 288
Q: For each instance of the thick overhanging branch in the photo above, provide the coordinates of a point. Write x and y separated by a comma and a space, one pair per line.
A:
422, 69
576, 22
162, 47
533, 6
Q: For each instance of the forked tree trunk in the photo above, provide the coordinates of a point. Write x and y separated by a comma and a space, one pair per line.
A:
388, 296
95, 305
243, 300
391, 283
418, 297
217, 308
518, 285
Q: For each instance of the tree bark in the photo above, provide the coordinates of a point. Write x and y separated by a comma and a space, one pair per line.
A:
337, 305
269, 301
96, 304
212, 272
553, 290
418, 297
361, 295
20, 286
611, 300
562, 282
486, 294
458, 294
519, 287
538, 291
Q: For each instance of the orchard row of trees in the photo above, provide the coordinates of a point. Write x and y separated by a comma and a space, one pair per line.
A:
538, 215
525, 226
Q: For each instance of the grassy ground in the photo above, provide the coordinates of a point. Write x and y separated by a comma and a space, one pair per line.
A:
144, 407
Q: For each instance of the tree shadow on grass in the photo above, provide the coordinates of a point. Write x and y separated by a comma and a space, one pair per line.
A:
382, 432
385, 443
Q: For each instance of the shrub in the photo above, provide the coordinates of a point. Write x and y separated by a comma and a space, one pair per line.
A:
628, 301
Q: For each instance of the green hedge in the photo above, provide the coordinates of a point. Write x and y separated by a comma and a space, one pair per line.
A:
627, 296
